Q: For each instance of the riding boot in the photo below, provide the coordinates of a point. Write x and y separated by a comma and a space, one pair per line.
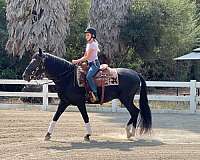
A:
96, 96
92, 97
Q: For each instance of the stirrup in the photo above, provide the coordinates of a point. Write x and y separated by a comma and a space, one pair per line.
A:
96, 96
92, 97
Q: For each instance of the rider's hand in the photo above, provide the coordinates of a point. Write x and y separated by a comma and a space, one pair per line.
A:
75, 61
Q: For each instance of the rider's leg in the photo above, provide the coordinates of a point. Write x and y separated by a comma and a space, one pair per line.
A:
91, 72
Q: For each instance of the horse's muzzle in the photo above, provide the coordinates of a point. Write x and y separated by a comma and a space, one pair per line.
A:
25, 77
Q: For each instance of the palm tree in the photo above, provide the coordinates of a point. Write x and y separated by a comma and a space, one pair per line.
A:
107, 16
35, 23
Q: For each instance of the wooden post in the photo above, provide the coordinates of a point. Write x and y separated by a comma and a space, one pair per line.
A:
193, 105
114, 105
45, 94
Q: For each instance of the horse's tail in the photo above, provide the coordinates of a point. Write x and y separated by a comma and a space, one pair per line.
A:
145, 122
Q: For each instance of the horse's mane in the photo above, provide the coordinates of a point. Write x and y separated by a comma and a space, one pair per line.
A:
104, 59
56, 64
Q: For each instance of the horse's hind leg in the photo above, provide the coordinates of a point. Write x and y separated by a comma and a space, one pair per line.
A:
134, 117
61, 108
134, 111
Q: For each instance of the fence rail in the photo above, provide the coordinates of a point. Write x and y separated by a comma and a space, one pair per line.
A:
192, 97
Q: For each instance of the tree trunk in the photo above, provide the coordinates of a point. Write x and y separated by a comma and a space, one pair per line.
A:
35, 23
107, 16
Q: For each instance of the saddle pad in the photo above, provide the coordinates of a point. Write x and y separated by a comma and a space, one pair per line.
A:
108, 75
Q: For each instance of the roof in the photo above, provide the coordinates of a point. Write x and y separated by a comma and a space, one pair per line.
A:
194, 55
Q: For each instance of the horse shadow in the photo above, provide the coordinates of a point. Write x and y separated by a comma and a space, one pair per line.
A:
169, 121
114, 145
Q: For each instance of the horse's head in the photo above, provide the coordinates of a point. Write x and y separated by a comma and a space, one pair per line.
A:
35, 69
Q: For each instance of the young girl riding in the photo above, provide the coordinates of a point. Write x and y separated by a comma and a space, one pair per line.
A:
91, 55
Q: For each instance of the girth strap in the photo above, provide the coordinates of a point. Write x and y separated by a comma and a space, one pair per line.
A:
103, 88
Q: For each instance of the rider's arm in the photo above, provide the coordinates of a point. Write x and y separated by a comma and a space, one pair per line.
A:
87, 55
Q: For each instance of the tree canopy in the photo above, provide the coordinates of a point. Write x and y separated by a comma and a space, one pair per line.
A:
33, 24
161, 28
158, 31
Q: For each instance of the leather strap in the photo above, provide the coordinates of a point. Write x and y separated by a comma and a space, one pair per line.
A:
103, 88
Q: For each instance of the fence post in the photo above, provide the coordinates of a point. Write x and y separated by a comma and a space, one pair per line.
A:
114, 105
193, 105
45, 94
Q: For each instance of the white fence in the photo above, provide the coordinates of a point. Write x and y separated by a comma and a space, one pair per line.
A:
192, 97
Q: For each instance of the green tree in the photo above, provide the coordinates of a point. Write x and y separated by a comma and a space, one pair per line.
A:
11, 67
75, 42
3, 30
158, 31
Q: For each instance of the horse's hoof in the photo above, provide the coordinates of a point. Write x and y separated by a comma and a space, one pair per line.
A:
47, 137
87, 137
133, 132
128, 133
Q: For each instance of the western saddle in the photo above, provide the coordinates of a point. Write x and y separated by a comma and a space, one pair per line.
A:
106, 76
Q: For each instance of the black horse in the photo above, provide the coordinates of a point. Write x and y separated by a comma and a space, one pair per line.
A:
63, 74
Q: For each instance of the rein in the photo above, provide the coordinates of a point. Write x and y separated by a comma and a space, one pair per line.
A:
60, 75
56, 78
63, 74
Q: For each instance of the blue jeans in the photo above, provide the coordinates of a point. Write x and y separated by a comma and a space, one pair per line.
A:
94, 67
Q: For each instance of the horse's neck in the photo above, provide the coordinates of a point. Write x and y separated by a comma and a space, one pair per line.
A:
57, 68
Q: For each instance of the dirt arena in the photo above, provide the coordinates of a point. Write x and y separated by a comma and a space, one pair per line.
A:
174, 137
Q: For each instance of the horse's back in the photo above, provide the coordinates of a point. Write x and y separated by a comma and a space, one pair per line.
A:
128, 79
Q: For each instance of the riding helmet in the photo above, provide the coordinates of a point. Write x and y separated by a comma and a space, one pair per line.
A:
92, 31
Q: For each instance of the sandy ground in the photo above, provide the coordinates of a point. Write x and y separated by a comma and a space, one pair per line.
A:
174, 136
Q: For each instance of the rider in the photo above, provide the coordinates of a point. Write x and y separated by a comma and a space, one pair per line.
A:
91, 55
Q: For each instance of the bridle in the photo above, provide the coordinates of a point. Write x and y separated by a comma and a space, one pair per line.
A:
41, 68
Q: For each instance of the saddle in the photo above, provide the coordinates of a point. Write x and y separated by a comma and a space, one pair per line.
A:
106, 76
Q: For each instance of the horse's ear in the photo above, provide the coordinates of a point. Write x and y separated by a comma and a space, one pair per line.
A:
40, 52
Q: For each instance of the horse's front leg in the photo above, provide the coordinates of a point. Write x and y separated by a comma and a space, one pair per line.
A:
61, 108
84, 114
